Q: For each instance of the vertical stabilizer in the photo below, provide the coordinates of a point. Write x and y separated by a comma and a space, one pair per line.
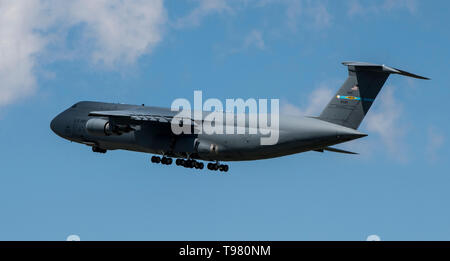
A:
354, 99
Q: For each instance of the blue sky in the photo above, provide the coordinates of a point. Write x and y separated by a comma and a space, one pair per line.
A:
54, 54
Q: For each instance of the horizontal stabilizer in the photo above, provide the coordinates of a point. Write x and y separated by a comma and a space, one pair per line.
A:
336, 150
383, 68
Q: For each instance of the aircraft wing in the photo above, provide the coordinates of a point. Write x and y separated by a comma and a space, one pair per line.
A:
137, 117
133, 115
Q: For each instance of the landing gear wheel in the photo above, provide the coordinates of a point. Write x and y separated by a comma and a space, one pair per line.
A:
213, 166
199, 165
186, 163
191, 164
166, 161
179, 162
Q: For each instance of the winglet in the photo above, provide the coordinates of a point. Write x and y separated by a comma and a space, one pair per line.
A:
383, 68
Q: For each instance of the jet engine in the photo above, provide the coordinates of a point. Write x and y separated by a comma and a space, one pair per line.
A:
99, 127
103, 127
206, 147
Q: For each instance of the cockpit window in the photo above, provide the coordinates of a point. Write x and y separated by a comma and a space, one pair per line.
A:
74, 106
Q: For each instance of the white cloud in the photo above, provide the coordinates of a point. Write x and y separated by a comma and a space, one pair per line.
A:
255, 38
410, 5
313, 14
355, 7
20, 42
116, 32
298, 12
121, 31
384, 120
436, 140
318, 99
309, 13
203, 9
319, 14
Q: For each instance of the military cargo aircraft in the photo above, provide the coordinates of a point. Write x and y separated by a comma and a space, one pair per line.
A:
110, 126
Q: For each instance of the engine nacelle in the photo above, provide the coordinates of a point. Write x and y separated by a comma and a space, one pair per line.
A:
205, 147
99, 127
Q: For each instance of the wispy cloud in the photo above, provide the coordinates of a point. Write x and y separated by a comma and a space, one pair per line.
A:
203, 9
254, 39
121, 31
358, 7
436, 140
303, 13
384, 121
317, 101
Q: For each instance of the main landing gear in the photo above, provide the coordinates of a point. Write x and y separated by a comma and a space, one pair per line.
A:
190, 163
217, 166
163, 160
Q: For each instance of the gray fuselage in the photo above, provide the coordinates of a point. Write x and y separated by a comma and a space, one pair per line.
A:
296, 135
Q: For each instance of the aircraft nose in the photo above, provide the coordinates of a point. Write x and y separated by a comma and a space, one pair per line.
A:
54, 125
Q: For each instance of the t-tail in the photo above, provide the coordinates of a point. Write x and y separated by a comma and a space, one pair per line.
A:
353, 100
